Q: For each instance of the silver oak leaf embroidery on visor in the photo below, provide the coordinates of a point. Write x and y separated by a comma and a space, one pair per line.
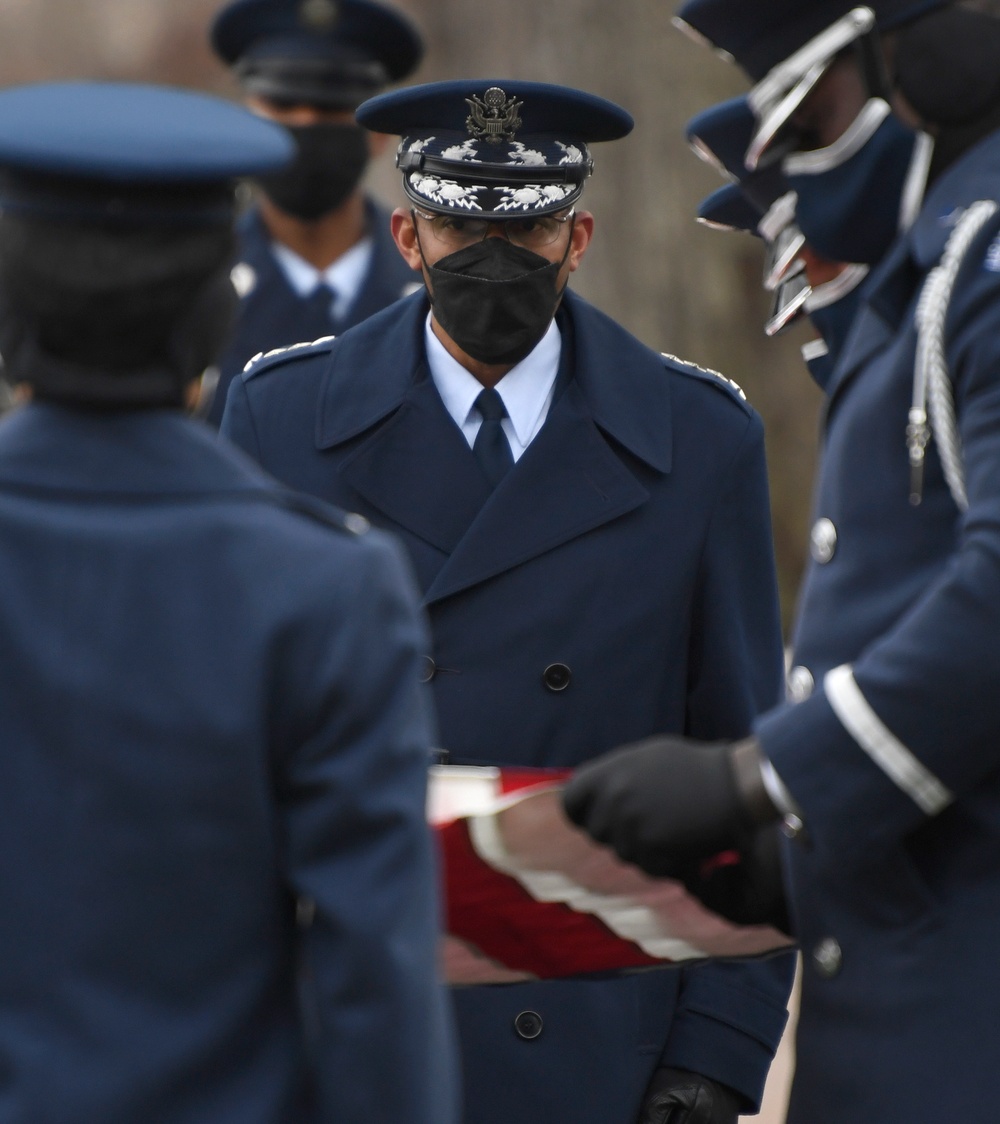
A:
532, 196
571, 154
466, 151
520, 155
447, 193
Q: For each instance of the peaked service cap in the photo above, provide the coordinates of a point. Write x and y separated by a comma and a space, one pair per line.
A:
328, 53
759, 34
495, 148
120, 152
720, 135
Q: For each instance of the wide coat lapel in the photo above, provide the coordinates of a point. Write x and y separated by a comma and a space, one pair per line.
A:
571, 479
417, 469
415, 466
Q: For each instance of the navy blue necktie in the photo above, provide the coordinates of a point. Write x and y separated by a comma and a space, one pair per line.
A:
319, 303
491, 446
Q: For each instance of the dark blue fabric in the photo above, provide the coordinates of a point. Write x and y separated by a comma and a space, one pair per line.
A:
131, 134
850, 212
299, 30
631, 543
273, 315
911, 598
760, 33
208, 708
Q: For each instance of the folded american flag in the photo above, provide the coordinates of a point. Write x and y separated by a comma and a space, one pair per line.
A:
529, 896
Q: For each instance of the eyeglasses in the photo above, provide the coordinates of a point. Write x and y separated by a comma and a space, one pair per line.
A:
534, 233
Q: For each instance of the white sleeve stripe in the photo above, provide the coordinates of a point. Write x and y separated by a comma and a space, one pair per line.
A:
881, 745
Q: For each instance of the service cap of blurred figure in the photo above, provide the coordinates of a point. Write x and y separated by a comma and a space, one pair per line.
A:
315, 256
761, 201
218, 877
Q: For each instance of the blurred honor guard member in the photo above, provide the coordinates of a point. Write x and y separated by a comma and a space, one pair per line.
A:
889, 749
209, 707
589, 523
315, 252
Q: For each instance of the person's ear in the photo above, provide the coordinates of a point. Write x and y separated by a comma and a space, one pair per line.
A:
404, 234
583, 231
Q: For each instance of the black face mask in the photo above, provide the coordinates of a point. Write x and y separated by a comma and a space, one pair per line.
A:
328, 166
494, 299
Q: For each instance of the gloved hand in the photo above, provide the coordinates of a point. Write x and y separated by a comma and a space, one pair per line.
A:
665, 804
747, 886
677, 1096
673, 806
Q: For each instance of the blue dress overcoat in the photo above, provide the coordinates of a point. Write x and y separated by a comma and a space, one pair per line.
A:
893, 747
208, 710
272, 314
618, 582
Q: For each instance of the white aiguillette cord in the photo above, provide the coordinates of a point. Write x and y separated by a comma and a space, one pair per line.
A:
933, 407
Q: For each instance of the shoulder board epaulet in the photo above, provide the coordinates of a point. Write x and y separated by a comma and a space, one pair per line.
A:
717, 378
265, 359
324, 513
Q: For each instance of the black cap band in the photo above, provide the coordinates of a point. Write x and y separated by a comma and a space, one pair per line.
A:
493, 173
327, 83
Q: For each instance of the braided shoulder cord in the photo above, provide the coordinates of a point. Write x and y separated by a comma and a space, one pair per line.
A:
932, 388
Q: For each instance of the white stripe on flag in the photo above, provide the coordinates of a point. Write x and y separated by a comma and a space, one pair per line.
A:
623, 916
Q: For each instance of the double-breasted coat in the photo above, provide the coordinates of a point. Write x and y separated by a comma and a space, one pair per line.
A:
208, 711
271, 313
618, 582
893, 747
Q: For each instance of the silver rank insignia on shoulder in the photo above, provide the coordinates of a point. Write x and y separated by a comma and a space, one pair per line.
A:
262, 355
319, 15
356, 524
494, 116
244, 279
732, 383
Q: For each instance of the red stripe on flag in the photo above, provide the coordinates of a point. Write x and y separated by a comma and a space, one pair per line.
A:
495, 913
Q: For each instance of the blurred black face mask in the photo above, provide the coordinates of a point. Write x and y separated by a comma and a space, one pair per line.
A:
494, 299
329, 164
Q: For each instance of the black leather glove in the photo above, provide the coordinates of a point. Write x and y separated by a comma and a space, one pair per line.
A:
747, 887
677, 1096
671, 806
666, 803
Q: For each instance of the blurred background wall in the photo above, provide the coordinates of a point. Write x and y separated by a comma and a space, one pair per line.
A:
678, 286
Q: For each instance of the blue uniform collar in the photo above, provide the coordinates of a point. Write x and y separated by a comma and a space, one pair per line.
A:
973, 176
142, 453
622, 382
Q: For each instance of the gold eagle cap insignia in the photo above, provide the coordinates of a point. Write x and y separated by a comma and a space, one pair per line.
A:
319, 15
494, 116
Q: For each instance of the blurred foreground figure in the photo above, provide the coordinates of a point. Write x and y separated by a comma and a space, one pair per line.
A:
315, 252
885, 764
209, 709
590, 525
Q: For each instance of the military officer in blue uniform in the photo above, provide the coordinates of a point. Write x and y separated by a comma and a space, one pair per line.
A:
885, 769
219, 901
315, 253
589, 524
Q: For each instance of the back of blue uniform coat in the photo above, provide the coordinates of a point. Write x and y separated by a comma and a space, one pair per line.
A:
220, 902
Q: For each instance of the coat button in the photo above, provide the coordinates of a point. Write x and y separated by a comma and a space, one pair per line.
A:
828, 957
428, 669
528, 1025
557, 677
823, 541
799, 684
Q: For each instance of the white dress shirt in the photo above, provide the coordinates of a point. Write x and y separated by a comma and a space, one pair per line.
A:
345, 276
527, 389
